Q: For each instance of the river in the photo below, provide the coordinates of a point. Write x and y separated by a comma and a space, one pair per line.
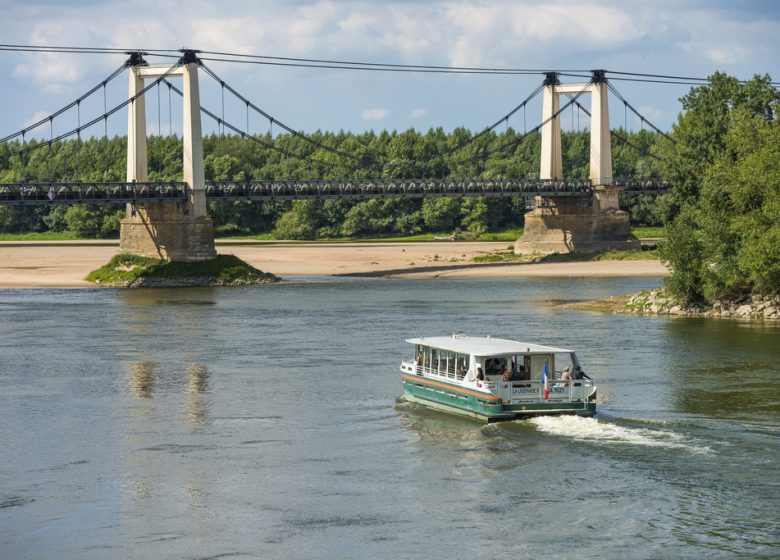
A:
263, 422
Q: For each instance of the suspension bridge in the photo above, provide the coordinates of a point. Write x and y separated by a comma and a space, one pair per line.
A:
169, 219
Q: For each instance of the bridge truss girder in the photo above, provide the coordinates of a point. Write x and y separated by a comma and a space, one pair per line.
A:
90, 193
120, 193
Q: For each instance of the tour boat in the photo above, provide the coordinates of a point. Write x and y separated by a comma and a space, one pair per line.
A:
494, 379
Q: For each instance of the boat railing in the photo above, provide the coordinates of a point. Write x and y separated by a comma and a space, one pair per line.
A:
451, 375
534, 388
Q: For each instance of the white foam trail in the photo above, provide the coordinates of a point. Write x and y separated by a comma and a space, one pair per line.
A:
591, 429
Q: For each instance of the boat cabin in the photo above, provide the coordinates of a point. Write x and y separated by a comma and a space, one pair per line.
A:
521, 377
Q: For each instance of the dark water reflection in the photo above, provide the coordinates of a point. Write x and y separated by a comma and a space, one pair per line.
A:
264, 423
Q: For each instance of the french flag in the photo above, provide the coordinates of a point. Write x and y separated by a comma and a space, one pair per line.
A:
544, 381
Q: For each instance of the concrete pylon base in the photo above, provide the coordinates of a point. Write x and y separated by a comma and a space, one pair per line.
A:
547, 230
162, 231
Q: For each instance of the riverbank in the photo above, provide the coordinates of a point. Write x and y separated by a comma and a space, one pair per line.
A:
659, 302
65, 264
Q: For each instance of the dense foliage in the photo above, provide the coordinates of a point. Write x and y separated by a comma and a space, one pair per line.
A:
510, 154
723, 236
126, 270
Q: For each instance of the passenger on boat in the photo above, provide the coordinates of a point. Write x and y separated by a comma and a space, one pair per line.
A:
506, 374
523, 373
419, 358
579, 374
480, 375
565, 375
461, 371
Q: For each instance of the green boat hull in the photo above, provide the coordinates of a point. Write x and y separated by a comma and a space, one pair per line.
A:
487, 408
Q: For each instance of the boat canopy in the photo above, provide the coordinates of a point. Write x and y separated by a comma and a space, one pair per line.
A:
485, 346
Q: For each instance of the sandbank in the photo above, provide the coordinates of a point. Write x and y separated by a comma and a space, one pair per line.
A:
65, 264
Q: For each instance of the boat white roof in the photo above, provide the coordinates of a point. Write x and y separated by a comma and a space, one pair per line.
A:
485, 346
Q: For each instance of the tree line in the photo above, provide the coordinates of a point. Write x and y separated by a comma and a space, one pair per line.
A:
407, 154
722, 214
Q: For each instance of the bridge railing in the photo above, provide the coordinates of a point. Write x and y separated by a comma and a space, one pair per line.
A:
394, 188
90, 193
641, 185
118, 193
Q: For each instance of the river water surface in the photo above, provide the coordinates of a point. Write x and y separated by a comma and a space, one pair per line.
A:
263, 422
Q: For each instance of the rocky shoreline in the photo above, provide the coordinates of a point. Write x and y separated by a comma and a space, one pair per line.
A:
659, 302
186, 282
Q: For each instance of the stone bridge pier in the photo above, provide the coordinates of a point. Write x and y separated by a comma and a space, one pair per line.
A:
178, 231
577, 223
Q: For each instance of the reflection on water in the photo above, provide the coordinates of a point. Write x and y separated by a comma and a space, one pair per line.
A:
197, 384
725, 368
142, 385
142, 379
262, 422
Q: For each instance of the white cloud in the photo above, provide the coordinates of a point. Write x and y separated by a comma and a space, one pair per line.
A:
497, 33
727, 55
378, 114
668, 37
37, 116
418, 113
54, 72
651, 113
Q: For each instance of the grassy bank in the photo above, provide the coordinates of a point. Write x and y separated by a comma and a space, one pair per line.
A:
508, 255
42, 236
649, 232
126, 270
509, 235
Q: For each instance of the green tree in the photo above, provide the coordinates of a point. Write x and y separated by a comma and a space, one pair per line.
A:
723, 242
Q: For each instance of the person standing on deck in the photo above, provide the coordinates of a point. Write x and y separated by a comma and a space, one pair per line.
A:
579, 374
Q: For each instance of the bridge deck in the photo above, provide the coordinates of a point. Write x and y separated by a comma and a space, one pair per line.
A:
120, 193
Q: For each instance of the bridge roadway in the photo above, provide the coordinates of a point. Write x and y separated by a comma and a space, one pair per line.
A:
120, 193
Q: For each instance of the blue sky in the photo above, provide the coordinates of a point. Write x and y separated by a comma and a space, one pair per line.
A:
690, 38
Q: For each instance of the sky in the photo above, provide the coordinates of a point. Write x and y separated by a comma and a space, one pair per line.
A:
678, 37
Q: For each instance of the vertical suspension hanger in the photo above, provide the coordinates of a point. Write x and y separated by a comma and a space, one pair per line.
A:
625, 116
170, 114
525, 130
223, 108
106, 175
51, 139
159, 134
105, 133
247, 117
78, 137
21, 156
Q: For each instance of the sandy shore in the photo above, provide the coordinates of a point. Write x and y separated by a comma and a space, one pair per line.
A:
65, 264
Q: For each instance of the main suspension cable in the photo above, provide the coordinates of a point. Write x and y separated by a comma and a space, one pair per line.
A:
273, 119
70, 105
270, 146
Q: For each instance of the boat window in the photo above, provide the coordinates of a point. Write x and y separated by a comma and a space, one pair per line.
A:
538, 364
434, 364
497, 364
521, 367
461, 365
450, 362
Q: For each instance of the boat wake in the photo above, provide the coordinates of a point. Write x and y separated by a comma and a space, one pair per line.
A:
598, 431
